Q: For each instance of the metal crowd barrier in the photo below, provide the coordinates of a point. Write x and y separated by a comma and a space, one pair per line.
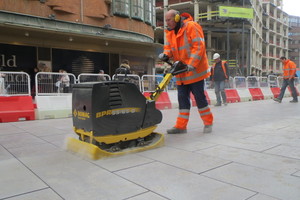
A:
53, 84
14, 84
131, 78
85, 77
263, 82
272, 80
279, 81
150, 82
210, 85
252, 82
239, 82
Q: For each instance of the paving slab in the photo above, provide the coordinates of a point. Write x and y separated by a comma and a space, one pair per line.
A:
174, 183
257, 159
287, 151
44, 194
186, 160
17, 179
262, 197
267, 182
75, 178
148, 196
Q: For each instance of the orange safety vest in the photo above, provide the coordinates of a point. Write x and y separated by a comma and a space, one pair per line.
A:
223, 67
289, 69
188, 46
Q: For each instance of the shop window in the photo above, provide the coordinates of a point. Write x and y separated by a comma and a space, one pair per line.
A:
121, 7
137, 9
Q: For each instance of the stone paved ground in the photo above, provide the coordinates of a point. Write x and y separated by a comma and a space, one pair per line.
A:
253, 153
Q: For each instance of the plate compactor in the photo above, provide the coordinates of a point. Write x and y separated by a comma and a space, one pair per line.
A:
115, 118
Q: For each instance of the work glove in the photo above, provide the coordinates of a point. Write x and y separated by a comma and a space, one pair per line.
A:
190, 68
163, 57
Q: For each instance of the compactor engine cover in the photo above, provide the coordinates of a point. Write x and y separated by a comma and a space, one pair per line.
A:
112, 108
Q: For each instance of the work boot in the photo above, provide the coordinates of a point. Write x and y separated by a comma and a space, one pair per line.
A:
207, 129
277, 100
218, 104
294, 101
176, 131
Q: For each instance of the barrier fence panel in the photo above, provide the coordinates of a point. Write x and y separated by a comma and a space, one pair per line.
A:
230, 83
150, 82
207, 84
14, 84
272, 80
131, 78
54, 84
279, 81
252, 82
85, 77
263, 82
210, 84
239, 82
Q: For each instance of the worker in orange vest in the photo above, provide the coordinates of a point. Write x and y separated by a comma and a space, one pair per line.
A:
289, 71
219, 76
185, 43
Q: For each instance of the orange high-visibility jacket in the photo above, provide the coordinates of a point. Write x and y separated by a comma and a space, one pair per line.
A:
188, 46
289, 69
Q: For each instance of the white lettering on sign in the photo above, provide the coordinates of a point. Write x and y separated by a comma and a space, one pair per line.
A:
8, 61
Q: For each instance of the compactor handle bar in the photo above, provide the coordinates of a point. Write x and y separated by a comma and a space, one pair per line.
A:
177, 68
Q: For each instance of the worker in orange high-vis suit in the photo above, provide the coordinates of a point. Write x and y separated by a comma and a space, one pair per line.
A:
185, 43
289, 71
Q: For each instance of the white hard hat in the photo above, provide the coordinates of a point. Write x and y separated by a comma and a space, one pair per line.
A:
216, 55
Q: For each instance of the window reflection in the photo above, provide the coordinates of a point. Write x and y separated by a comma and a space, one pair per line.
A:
143, 10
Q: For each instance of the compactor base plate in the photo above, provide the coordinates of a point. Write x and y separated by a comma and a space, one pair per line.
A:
94, 152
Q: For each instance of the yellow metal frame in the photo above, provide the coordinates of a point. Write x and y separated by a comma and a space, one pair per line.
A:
94, 152
209, 14
110, 139
231, 63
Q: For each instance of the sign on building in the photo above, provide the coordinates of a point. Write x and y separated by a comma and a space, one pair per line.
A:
236, 12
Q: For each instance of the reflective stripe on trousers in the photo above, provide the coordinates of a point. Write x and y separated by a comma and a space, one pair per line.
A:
184, 104
182, 119
206, 115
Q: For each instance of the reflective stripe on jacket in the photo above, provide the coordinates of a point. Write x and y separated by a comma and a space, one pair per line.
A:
289, 69
188, 46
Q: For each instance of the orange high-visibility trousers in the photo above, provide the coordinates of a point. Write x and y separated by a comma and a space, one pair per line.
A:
182, 119
206, 115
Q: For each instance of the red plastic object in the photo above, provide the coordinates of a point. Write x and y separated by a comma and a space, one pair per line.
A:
163, 101
194, 101
275, 91
16, 108
256, 94
232, 96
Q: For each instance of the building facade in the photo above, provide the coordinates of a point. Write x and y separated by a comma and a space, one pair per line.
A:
80, 36
294, 42
276, 39
251, 45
